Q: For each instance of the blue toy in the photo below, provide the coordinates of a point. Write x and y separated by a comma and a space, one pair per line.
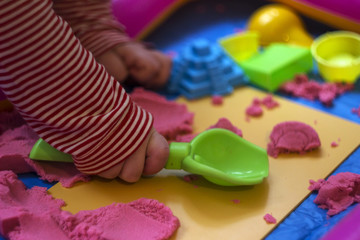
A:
203, 69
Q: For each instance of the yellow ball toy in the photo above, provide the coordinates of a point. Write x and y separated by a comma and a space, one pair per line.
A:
277, 23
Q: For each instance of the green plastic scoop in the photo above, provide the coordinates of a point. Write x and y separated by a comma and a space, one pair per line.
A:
219, 155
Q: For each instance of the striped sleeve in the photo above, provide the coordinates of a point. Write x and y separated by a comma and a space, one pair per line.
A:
93, 23
60, 90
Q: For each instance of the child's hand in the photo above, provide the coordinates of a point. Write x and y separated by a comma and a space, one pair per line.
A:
149, 159
149, 68
114, 65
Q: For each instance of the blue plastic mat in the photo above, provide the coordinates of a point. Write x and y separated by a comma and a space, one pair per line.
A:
217, 19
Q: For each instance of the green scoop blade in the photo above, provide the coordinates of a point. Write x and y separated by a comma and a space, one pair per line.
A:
43, 151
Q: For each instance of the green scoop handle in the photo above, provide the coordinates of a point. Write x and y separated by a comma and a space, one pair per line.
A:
219, 155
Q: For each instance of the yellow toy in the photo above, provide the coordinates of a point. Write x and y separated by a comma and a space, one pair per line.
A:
278, 23
240, 46
338, 56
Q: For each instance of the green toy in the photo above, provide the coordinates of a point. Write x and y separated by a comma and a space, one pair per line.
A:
219, 155
277, 64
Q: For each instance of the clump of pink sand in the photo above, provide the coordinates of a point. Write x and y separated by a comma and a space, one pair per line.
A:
191, 177
34, 214
221, 123
356, 111
301, 86
269, 218
255, 110
269, 102
170, 118
292, 136
217, 100
16, 142
338, 192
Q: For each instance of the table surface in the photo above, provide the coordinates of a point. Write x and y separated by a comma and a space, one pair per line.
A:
307, 221
213, 19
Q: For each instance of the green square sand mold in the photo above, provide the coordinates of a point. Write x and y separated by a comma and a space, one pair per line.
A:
277, 64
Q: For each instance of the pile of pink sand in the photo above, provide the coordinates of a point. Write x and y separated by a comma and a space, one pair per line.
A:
170, 118
221, 123
338, 192
292, 136
16, 142
301, 86
255, 110
34, 214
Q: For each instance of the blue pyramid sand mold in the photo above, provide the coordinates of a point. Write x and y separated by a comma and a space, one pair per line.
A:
203, 69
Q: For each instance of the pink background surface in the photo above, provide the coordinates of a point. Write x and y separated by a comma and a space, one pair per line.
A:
347, 228
136, 15
345, 8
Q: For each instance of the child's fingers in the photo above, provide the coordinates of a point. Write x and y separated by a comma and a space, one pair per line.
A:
113, 65
137, 60
144, 70
134, 165
157, 154
149, 68
112, 172
163, 73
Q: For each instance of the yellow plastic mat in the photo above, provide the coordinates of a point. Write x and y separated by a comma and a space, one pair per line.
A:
207, 211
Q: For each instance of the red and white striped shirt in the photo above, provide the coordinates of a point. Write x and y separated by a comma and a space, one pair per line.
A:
62, 92
93, 23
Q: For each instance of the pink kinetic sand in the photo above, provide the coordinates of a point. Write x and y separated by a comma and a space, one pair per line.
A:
15, 146
301, 86
226, 124
255, 110
17, 203
191, 177
269, 218
33, 214
269, 102
65, 173
16, 142
292, 136
222, 123
217, 100
170, 118
10, 120
356, 111
338, 192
